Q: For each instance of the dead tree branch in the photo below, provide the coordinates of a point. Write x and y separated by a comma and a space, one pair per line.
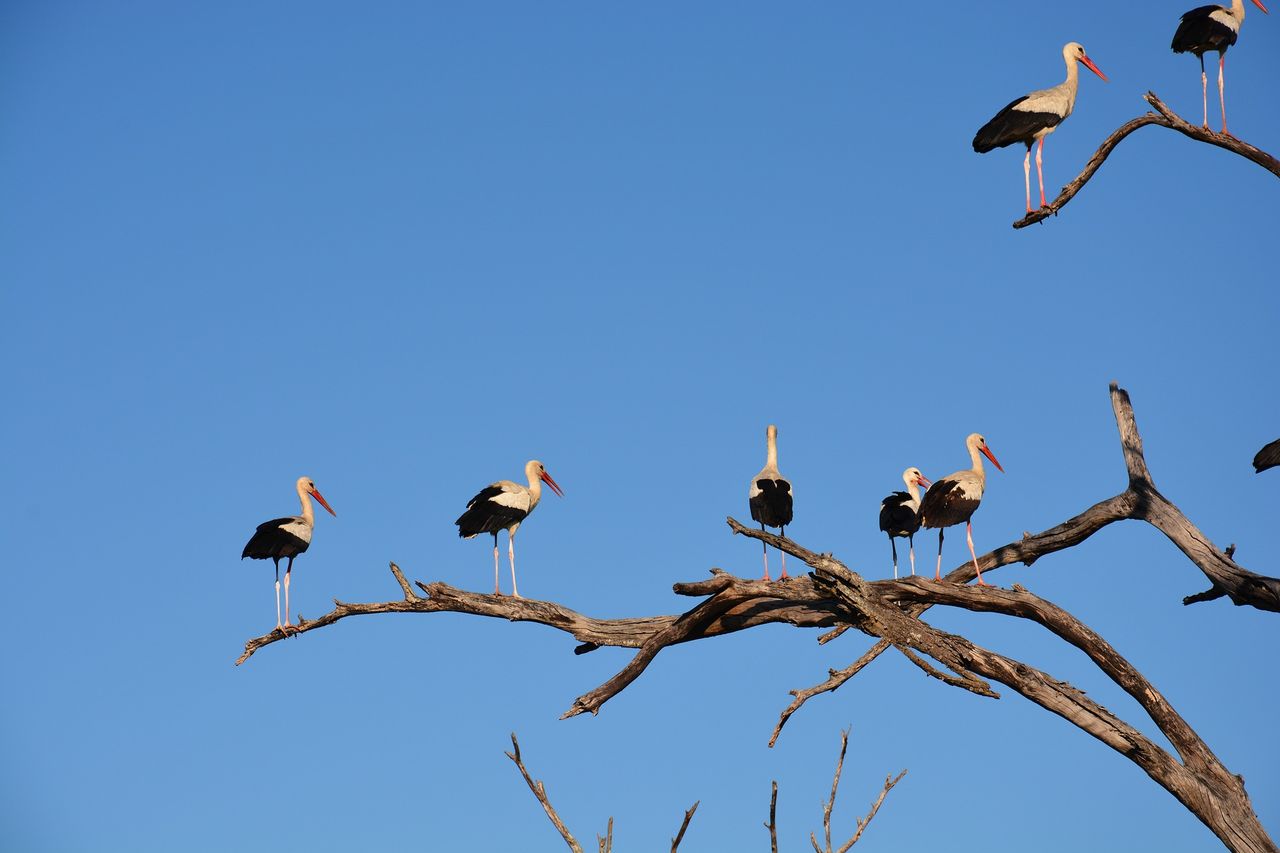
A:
830, 804
688, 816
1163, 117
832, 596
540, 791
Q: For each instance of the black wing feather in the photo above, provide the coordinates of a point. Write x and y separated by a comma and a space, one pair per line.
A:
1268, 457
772, 507
1009, 126
1198, 33
897, 518
483, 515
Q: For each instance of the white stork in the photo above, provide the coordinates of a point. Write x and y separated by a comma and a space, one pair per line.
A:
286, 538
502, 506
954, 498
1033, 117
1207, 28
769, 496
898, 515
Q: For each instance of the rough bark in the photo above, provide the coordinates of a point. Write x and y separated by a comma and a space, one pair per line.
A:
1164, 117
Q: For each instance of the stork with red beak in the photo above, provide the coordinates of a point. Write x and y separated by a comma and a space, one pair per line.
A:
286, 538
899, 515
503, 506
955, 497
1033, 117
1207, 28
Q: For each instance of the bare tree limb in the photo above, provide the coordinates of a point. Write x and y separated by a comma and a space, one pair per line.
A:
772, 825
540, 791
832, 596
688, 816
829, 805
889, 782
1163, 117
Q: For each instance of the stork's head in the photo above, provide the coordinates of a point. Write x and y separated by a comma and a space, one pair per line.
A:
538, 470
308, 486
978, 443
913, 477
1074, 52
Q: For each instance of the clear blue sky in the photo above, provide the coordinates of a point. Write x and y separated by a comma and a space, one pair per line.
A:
402, 248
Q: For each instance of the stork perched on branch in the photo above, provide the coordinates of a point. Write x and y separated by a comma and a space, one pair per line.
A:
1207, 28
769, 497
899, 518
503, 506
286, 538
1033, 117
955, 498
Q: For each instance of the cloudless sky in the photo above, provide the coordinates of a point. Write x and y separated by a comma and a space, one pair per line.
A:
404, 247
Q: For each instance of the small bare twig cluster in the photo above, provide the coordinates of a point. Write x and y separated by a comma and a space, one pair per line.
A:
1164, 117
605, 842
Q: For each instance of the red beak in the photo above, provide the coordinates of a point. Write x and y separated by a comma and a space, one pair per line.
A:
1258, 3
923, 481
1088, 63
324, 503
546, 478
994, 461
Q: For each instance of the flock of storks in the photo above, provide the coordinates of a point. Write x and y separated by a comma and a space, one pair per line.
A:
949, 501
504, 505
1032, 117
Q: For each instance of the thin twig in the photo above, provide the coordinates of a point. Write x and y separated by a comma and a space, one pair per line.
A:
889, 782
772, 825
688, 816
540, 791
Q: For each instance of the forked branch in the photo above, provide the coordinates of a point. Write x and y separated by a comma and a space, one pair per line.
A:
1164, 117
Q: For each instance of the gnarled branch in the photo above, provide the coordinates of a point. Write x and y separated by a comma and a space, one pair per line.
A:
1164, 117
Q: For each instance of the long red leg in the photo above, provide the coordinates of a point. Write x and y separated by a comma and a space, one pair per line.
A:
968, 528
279, 624
1222, 98
1026, 178
766, 556
894, 548
1039, 171
937, 573
511, 553
496, 589
1204, 92
783, 531
287, 572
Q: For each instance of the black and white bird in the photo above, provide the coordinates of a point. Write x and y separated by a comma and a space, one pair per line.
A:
1207, 28
1267, 457
898, 515
770, 497
955, 497
286, 538
503, 506
1033, 117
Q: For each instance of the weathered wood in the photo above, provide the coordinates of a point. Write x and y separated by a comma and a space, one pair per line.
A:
1164, 117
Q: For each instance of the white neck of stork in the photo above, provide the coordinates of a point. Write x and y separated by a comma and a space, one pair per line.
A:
307, 488
1073, 54
304, 488
536, 472
771, 437
913, 478
1237, 8
977, 449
